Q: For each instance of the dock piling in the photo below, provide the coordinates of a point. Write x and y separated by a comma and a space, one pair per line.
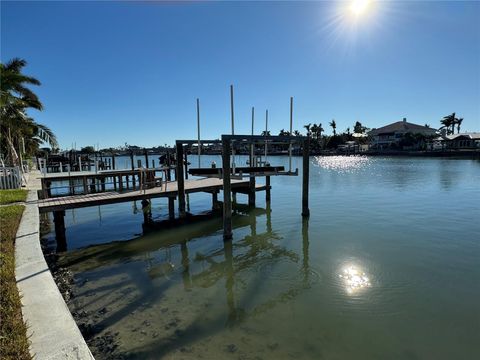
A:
180, 181
214, 200
267, 190
59, 220
147, 211
305, 177
227, 190
171, 208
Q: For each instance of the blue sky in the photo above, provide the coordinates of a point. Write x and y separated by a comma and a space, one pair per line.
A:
116, 72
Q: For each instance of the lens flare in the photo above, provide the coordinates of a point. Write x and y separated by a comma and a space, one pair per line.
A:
359, 7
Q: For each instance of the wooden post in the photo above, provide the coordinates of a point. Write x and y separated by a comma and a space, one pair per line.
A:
48, 186
59, 220
93, 187
252, 192
180, 181
114, 179
146, 158
199, 152
214, 200
72, 186
267, 190
132, 160
147, 211
305, 177
120, 183
291, 134
126, 181
186, 165
171, 208
231, 109
227, 191
103, 183
85, 187
113, 162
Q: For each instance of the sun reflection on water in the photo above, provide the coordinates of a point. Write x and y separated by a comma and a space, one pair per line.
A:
354, 279
342, 163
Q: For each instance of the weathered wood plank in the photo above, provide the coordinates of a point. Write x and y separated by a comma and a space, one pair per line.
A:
190, 186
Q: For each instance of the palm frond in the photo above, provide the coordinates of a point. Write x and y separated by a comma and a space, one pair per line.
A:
47, 135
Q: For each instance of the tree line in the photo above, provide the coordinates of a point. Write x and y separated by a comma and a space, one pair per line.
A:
22, 135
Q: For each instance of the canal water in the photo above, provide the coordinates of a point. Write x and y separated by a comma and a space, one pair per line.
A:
386, 267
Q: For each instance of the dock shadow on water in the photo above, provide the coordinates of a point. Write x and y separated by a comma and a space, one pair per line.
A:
185, 293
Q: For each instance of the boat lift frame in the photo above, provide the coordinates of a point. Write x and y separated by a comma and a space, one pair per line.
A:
227, 172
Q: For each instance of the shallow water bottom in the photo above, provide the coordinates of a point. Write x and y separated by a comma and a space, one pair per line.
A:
377, 272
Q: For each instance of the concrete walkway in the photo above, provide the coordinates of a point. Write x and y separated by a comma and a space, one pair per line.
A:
52, 330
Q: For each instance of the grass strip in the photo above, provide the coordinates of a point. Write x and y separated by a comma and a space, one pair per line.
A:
12, 196
13, 331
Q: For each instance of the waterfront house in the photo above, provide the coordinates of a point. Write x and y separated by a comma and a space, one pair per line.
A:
462, 141
391, 134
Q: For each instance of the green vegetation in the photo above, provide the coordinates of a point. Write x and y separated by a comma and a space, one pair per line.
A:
13, 331
449, 122
12, 196
20, 133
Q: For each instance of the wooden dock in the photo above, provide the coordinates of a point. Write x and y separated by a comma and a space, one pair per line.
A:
169, 190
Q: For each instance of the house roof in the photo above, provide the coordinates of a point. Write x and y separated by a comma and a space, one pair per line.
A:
404, 127
468, 135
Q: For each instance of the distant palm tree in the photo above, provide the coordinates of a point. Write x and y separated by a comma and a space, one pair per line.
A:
427, 125
333, 124
297, 133
448, 122
359, 128
307, 127
320, 129
459, 122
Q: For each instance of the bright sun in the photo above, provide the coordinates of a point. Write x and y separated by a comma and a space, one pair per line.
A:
359, 7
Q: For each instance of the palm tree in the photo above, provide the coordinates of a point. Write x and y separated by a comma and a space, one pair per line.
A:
333, 124
314, 130
447, 122
320, 129
307, 127
13, 90
17, 126
296, 133
359, 128
459, 122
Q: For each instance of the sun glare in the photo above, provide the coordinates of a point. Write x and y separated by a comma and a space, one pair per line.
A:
359, 7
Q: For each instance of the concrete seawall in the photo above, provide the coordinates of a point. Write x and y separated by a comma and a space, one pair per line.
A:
52, 330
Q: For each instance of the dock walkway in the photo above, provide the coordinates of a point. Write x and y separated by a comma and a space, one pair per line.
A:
169, 190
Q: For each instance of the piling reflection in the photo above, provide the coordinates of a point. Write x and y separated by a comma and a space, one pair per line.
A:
244, 268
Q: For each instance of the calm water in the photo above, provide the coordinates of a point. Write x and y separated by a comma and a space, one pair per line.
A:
387, 267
